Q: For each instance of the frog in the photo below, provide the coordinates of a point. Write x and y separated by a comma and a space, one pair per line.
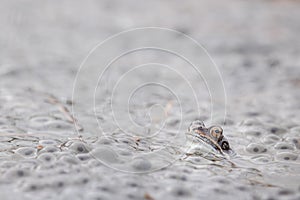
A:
208, 139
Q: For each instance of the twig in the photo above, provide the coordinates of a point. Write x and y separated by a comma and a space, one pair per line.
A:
64, 110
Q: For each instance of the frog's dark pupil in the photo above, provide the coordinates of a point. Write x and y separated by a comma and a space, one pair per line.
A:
217, 131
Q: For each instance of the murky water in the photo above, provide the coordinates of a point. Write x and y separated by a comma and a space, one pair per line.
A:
124, 137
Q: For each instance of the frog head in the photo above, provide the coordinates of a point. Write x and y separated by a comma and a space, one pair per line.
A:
216, 133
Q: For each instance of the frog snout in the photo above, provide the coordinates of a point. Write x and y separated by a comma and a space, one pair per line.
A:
224, 144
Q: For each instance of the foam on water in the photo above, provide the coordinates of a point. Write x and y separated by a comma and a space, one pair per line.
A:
266, 159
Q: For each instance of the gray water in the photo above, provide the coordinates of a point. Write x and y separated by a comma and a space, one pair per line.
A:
122, 135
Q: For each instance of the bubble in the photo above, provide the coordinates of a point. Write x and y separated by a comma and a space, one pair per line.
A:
17, 173
20, 173
220, 191
105, 154
105, 188
295, 141
271, 139
286, 156
79, 147
284, 146
256, 148
133, 184
59, 183
105, 141
277, 130
141, 164
69, 159
242, 188
222, 180
262, 159
49, 149
82, 179
177, 177
39, 122
27, 152
180, 192
33, 186
46, 157
83, 157
285, 192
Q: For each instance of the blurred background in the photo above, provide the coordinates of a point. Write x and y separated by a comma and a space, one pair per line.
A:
252, 42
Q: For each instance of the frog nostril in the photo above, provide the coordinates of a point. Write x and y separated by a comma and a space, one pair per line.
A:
220, 138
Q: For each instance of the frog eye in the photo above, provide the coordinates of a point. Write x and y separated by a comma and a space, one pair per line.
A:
216, 132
